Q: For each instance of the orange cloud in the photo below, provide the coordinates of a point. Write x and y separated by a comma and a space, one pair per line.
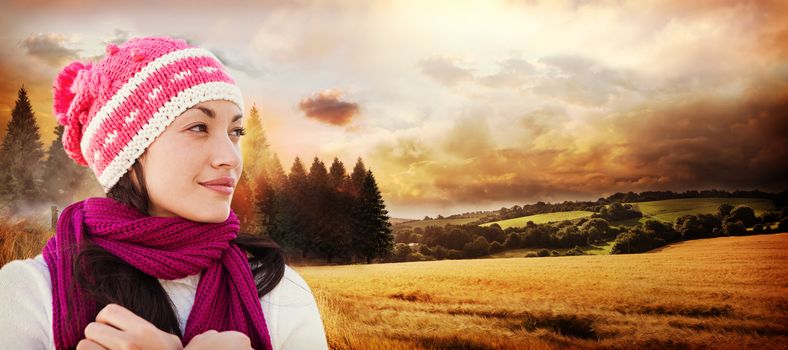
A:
327, 107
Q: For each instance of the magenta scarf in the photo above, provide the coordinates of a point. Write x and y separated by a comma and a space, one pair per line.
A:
162, 247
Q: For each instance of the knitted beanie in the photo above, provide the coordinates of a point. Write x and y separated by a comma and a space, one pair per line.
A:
114, 109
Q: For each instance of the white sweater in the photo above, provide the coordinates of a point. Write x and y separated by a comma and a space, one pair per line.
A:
290, 310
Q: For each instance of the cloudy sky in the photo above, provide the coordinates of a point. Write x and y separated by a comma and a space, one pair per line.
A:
461, 106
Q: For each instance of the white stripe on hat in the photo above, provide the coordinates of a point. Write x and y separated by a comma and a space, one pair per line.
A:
160, 120
130, 86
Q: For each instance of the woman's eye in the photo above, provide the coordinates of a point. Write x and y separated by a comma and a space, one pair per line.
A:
200, 126
240, 131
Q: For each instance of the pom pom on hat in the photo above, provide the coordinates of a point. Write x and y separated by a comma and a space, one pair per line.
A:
63, 92
72, 100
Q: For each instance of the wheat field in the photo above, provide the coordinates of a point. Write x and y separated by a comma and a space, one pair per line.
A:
721, 293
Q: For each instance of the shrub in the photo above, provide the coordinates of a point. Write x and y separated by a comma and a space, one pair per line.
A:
618, 211
440, 252
455, 254
401, 252
698, 226
783, 225
496, 247
734, 228
575, 251
555, 253
744, 214
724, 210
531, 255
636, 240
513, 241
478, 247
544, 252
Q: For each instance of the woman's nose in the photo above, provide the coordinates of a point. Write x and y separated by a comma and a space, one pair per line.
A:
225, 153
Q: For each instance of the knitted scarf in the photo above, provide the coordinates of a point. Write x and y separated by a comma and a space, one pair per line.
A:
163, 247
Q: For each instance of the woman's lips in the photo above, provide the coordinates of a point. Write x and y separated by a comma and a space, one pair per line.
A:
220, 189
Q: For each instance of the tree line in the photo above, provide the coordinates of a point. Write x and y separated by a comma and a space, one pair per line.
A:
779, 199
320, 212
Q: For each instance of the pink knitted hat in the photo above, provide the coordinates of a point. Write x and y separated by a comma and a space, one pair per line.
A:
114, 109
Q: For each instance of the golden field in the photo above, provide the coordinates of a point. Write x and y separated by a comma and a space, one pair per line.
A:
720, 293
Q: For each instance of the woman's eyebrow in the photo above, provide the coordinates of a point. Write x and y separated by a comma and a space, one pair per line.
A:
211, 114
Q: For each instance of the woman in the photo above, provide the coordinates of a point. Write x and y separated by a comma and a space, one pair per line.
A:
159, 263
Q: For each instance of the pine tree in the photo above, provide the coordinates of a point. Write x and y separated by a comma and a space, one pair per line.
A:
357, 178
372, 237
337, 176
289, 222
242, 205
265, 202
65, 179
276, 174
339, 206
256, 154
257, 151
21, 159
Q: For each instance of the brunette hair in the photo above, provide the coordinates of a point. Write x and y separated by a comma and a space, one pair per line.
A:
108, 279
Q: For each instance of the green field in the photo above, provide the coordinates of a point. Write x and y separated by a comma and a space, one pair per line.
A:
541, 218
441, 222
672, 209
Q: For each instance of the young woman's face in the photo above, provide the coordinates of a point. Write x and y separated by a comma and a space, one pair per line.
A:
200, 145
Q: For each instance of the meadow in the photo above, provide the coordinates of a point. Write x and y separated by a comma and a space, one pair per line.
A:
541, 218
441, 222
722, 293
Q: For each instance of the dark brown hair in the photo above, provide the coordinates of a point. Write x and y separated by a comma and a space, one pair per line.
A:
108, 279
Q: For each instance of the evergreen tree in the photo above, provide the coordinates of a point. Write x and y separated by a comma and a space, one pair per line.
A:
21, 159
257, 151
289, 222
372, 236
357, 177
337, 176
265, 202
319, 212
277, 177
242, 205
64, 179
256, 154
339, 207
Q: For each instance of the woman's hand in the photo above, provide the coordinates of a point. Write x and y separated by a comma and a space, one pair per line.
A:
220, 340
118, 328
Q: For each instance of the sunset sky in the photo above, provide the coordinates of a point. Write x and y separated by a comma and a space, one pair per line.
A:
461, 106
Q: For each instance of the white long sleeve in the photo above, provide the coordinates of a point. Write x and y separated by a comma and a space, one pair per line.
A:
290, 310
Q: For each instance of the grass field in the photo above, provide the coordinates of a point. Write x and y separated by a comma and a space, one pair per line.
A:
720, 293
671, 209
440, 222
541, 218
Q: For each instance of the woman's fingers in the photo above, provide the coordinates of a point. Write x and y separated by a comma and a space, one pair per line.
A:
104, 335
87, 344
121, 318
118, 328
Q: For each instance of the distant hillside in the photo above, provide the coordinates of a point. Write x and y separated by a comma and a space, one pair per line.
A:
665, 210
